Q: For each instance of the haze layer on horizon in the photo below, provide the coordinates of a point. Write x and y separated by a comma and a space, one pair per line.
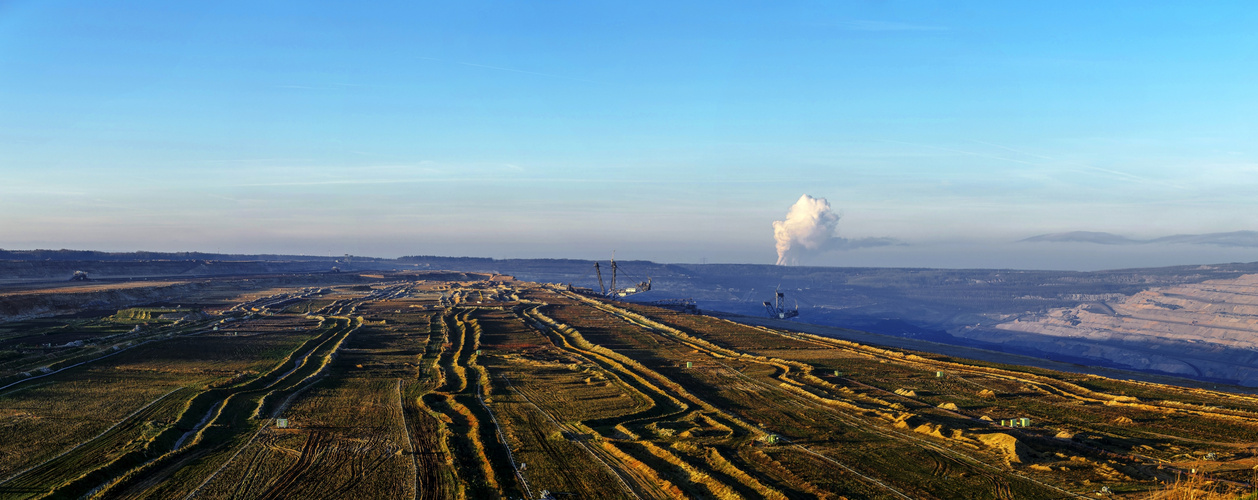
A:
663, 132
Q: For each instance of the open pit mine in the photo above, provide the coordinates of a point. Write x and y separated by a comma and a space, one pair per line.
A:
433, 384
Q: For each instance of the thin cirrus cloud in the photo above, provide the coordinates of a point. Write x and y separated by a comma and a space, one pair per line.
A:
869, 25
424, 172
1246, 239
1111, 172
506, 69
1125, 176
334, 86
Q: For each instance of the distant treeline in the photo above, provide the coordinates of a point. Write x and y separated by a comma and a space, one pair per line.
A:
433, 259
92, 255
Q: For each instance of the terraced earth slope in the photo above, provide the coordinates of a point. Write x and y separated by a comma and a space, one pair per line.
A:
1205, 330
414, 385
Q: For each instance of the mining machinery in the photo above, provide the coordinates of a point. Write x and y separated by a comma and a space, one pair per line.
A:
777, 308
618, 292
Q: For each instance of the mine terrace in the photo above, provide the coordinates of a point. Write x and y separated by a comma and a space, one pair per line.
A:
459, 385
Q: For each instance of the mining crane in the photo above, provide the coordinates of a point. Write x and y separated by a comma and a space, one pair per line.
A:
777, 309
618, 292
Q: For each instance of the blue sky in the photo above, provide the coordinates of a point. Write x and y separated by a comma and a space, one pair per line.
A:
665, 132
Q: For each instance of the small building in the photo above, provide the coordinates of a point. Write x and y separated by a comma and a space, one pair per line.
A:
281, 423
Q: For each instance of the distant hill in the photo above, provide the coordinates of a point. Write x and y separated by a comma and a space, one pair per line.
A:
1232, 239
1084, 237
1248, 239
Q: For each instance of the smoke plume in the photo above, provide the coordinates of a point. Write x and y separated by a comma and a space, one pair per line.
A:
809, 227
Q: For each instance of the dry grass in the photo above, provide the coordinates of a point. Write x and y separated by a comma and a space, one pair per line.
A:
592, 394
1195, 487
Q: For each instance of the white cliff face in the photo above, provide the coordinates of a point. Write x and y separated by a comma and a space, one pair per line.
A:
1206, 329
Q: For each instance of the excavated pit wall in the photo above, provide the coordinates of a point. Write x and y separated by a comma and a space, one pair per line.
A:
17, 306
1205, 330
